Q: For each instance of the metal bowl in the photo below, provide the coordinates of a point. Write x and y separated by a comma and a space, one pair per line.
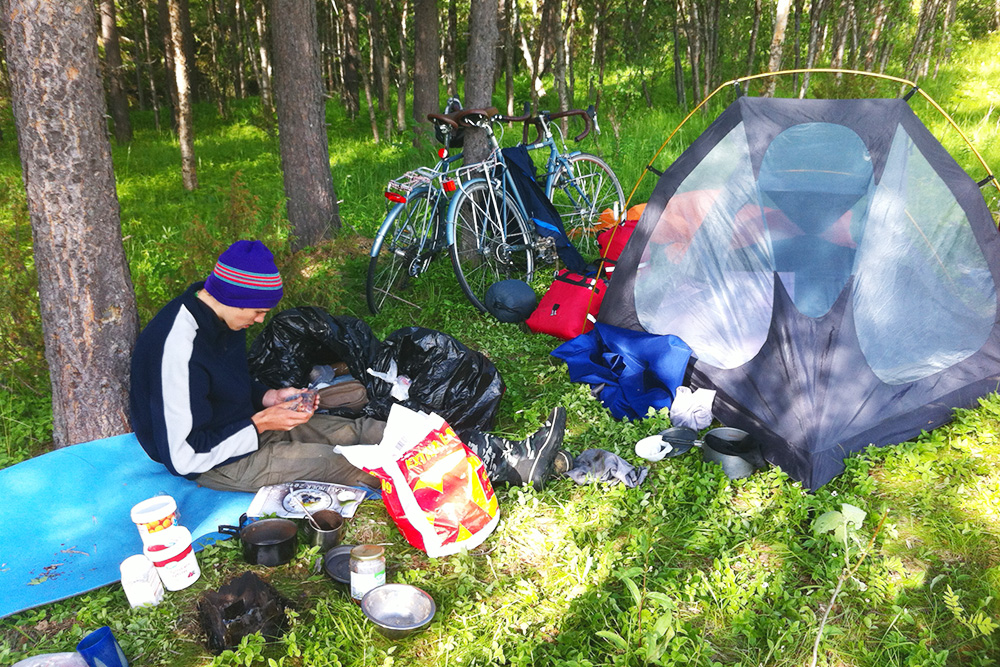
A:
398, 610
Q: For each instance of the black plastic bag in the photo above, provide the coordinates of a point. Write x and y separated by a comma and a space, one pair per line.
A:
446, 377
245, 605
297, 339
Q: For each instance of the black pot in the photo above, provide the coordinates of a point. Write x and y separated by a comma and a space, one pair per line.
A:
268, 542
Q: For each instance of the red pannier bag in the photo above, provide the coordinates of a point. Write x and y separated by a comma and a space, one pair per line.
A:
612, 241
569, 307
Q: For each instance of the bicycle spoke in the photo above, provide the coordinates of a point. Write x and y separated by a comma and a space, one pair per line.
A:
406, 244
583, 189
492, 242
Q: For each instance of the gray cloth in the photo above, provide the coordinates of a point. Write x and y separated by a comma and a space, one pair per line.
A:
598, 465
305, 452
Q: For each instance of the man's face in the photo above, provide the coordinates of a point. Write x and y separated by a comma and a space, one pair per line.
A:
242, 318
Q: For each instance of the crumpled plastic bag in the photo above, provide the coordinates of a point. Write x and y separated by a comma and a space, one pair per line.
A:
692, 408
433, 486
446, 377
400, 383
245, 605
297, 339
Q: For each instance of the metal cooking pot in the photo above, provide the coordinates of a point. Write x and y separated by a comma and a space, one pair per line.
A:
268, 542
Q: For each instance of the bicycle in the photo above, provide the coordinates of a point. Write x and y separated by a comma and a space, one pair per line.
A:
412, 233
580, 185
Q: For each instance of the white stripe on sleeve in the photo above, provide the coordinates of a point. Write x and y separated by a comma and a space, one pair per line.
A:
177, 351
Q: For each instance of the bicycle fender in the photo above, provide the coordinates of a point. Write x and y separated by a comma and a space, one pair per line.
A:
390, 218
452, 209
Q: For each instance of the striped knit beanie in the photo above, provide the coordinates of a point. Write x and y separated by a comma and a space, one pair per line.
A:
245, 277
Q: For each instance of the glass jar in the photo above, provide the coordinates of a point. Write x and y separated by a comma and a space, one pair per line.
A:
367, 569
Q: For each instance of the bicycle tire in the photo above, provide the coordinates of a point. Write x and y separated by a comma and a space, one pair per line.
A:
399, 252
581, 198
482, 251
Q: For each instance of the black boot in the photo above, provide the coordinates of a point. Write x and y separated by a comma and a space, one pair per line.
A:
528, 461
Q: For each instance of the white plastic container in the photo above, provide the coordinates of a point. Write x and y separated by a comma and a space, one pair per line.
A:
142, 584
173, 557
154, 515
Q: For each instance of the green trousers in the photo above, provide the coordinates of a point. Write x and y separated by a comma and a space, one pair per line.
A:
305, 452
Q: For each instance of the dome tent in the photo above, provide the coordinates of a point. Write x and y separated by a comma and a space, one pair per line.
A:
833, 270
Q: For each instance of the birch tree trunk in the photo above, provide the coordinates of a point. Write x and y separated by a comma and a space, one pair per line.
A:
260, 17
402, 82
185, 123
88, 309
777, 43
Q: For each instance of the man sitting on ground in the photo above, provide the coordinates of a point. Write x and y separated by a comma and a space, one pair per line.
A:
196, 409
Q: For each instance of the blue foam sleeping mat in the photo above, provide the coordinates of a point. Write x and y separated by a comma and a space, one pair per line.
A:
65, 518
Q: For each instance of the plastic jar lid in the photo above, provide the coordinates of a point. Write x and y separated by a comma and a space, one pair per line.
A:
367, 552
172, 544
154, 508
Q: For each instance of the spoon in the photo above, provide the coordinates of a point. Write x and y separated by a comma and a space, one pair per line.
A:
312, 521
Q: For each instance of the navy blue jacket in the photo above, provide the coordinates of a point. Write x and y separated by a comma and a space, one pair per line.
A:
192, 395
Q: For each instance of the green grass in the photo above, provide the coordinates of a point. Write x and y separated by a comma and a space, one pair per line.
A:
688, 569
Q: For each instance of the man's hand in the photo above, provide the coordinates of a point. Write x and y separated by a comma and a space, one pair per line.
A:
278, 396
281, 417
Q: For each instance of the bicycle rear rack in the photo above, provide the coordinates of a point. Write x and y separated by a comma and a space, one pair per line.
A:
411, 180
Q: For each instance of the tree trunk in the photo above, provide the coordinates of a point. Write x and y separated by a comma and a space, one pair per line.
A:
777, 43
925, 29
367, 78
752, 51
426, 66
185, 124
509, 58
559, 69
480, 70
815, 30
878, 21
163, 21
88, 308
148, 53
248, 49
451, 49
218, 75
238, 30
352, 59
379, 41
694, 48
402, 77
117, 98
301, 107
265, 58
680, 88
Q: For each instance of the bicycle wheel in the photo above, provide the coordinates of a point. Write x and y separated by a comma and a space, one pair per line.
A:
489, 241
403, 248
582, 188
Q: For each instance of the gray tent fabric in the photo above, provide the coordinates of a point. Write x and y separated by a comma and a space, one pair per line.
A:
833, 270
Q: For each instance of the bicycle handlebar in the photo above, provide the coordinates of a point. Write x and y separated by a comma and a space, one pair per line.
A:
589, 120
470, 117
